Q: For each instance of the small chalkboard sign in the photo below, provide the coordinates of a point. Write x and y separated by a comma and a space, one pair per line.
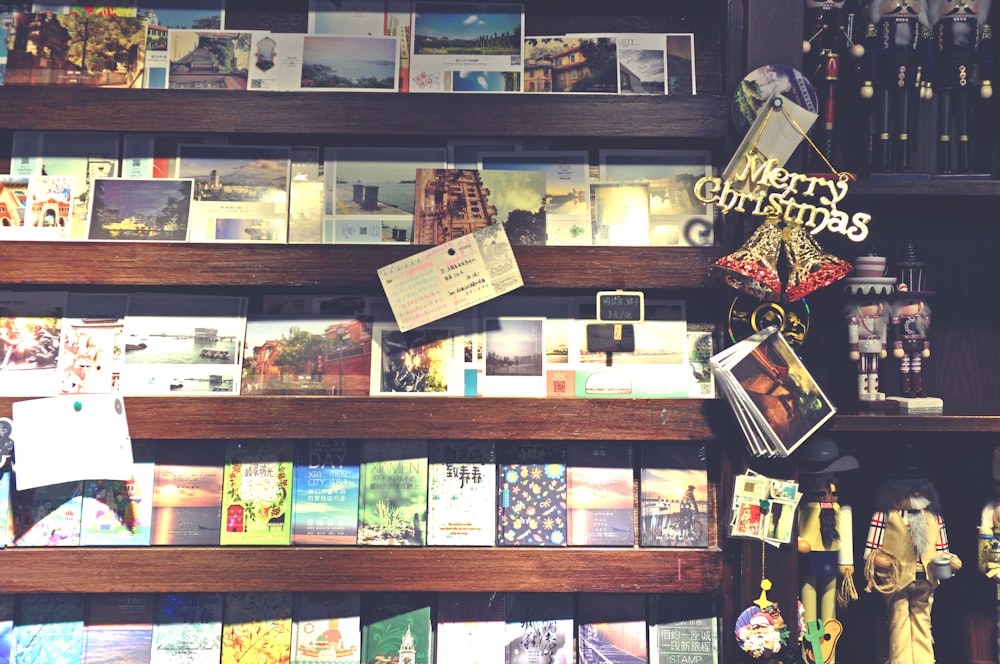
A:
620, 306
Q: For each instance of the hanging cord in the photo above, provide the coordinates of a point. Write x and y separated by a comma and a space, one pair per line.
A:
890, 584
847, 593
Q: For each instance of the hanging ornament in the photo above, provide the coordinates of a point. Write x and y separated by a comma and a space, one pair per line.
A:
753, 268
761, 630
809, 266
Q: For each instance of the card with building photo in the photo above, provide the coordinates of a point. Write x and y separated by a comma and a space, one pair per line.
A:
423, 362
323, 63
370, 192
642, 61
166, 15
567, 189
681, 79
50, 207
185, 345
676, 217
467, 47
82, 155
14, 200
208, 59
454, 202
153, 210
240, 192
563, 64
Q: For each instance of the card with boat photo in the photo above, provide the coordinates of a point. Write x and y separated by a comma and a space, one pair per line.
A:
676, 217
183, 344
240, 192
468, 47
146, 210
370, 192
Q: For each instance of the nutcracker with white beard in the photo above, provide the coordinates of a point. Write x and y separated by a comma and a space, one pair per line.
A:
906, 533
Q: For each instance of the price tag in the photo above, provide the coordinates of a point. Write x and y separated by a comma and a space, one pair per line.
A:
620, 306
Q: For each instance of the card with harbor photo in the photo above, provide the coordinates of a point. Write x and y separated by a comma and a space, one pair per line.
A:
153, 210
514, 350
323, 63
240, 192
208, 59
184, 345
370, 192
467, 47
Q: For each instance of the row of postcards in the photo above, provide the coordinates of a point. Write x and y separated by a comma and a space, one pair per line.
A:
400, 46
199, 188
157, 344
351, 627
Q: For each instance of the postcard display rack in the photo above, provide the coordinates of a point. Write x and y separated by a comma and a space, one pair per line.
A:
963, 369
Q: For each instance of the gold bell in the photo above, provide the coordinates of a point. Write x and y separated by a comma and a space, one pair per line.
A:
809, 266
753, 268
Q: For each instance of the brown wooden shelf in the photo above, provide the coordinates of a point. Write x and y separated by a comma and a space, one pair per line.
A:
221, 569
222, 418
333, 266
364, 113
963, 418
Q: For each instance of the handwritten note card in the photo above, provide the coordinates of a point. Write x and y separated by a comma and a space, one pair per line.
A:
68, 438
450, 277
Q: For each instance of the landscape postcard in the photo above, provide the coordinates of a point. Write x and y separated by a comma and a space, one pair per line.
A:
341, 63
140, 210
208, 60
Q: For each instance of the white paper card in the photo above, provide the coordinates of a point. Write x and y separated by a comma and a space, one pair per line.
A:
69, 438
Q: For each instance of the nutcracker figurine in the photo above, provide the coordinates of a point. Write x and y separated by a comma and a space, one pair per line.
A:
963, 45
826, 542
911, 323
867, 331
897, 57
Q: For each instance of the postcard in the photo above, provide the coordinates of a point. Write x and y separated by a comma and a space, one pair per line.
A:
621, 213
362, 18
194, 65
681, 80
642, 62
49, 208
514, 350
81, 155
450, 277
324, 63
306, 193
454, 202
422, 362
240, 192
467, 47
561, 64
676, 217
91, 351
184, 345
567, 190
464, 152
30, 327
119, 9
370, 192
117, 63
308, 355
163, 16
14, 199
155, 155
153, 210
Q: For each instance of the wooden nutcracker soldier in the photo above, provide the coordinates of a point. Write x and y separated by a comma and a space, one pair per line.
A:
963, 48
897, 55
911, 324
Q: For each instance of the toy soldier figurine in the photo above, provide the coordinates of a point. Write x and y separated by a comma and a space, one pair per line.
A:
897, 53
867, 328
963, 44
906, 547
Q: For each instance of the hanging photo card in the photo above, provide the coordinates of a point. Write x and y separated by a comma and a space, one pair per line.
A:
450, 277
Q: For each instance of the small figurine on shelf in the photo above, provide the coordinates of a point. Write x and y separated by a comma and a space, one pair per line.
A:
897, 58
906, 557
963, 44
911, 323
867, 314
826, 543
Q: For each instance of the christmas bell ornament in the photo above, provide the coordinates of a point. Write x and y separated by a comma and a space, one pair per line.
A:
809, 266
753, 268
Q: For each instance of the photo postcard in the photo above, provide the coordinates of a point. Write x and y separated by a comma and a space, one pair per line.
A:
676, 217
454, 202
208, 60
97, 51
82, 155
642, 61
422, 362
475, 47
309, 355
323, 63
164, 16
240, 192
370, 192
560, 64
681, 81
49, 208
514, 357
30, 331
306, 196
92, 350
363, 18
14, 209
567, 190
620, 213
183, 345
153, 210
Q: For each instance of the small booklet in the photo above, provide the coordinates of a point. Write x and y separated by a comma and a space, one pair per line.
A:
776, 400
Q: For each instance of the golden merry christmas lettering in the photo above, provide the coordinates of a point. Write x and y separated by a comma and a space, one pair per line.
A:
774, 193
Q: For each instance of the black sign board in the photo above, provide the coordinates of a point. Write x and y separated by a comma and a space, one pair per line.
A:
620, 306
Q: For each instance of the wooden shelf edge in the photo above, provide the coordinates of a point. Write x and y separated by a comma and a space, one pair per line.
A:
262, 569
351, 113
333, 266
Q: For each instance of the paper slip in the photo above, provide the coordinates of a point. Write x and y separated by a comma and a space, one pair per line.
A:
450, 277
69, 438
